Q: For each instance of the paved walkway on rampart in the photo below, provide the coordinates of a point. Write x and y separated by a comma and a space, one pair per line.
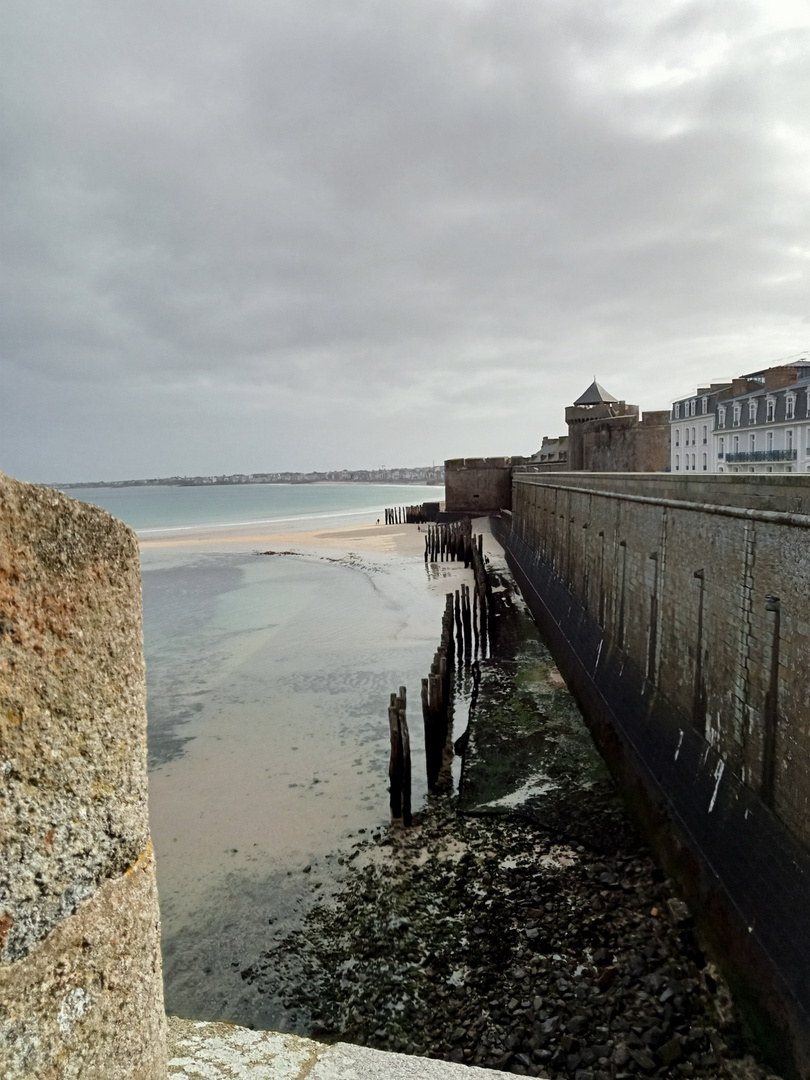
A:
203, 1051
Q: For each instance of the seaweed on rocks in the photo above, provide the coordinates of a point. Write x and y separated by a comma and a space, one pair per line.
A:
484, 940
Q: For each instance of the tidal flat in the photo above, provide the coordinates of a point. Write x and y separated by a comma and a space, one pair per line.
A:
268, 675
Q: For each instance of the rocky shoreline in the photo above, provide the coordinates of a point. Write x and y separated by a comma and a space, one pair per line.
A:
483, 940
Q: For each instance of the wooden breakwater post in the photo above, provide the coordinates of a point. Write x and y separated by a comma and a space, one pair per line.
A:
482, 592
436, 695
407, 515
399, 767
454, 541
449, 542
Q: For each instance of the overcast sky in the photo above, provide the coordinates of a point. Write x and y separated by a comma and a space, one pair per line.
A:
313, 234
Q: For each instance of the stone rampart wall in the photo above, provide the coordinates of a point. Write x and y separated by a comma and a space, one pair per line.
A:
694, 678
80, 975
479, 485
787, 494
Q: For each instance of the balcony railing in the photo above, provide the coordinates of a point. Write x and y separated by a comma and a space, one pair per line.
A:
762, 455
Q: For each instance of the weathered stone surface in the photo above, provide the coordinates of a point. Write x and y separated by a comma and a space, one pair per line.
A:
80, 982
87, 1002
72, 708
226, 1052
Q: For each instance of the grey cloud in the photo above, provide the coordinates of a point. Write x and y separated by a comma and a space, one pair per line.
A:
441, 211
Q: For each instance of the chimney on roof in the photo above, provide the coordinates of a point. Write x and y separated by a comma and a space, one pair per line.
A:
777, 377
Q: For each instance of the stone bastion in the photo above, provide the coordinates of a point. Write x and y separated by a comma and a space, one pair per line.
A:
81, 991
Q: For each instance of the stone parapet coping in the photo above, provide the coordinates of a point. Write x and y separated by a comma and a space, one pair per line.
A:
199, 1049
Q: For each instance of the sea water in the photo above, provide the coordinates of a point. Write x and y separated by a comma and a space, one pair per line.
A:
268, 680
153, 509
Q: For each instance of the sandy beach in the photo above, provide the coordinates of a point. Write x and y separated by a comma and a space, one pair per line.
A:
396, 539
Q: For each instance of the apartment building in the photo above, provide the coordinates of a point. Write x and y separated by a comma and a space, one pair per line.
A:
692, 422
758, 423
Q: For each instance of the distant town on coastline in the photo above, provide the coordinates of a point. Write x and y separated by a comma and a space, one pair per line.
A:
698, 433
424, 474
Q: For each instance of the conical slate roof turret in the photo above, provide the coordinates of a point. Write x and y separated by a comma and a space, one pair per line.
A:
596, 395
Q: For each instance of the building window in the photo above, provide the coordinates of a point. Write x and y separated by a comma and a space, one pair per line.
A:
686, 436
704, 405
721, 416
790, 405
694, 440
737, 412
677, 436
789, 438
677, 408
693, 462
705, 434
736, 444
770, 409
705, 462
693, 406
752, 411
721, 444
686, 462
677, 462
770, 440
753, 442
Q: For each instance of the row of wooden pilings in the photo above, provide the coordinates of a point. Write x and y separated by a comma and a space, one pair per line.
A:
464, 633
451, 542
406, 515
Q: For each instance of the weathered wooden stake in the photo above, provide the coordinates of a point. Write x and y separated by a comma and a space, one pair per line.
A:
405, 743
395, 764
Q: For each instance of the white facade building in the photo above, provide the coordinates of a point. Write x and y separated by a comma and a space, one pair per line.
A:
692, 420
759, 423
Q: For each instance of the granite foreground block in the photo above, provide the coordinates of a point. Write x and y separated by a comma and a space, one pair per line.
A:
226, 1052
80, 979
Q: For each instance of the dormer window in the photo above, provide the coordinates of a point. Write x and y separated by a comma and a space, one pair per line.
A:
770, 409
692, 406
677, 408
790, 406
752, 411
721, 416
704, 405
737, 413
